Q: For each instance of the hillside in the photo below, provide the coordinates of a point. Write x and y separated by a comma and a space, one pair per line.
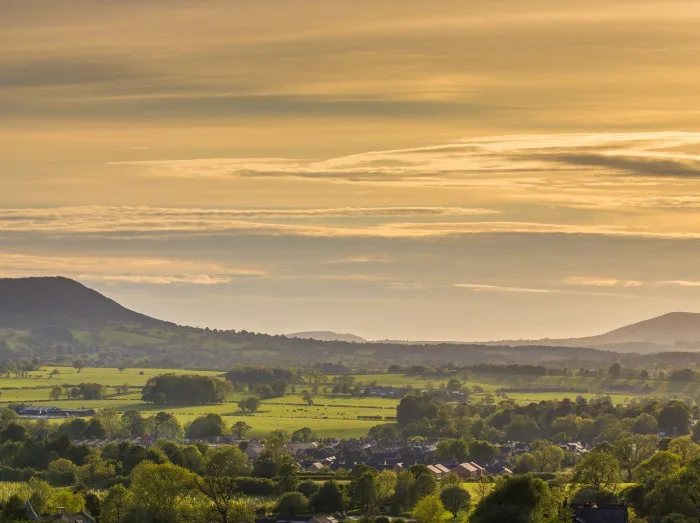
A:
327, 336
670, 332
58, 300
57, 320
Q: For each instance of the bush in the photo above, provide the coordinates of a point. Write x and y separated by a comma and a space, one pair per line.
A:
255, 486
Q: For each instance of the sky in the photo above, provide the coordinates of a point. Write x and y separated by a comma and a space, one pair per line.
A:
414, 169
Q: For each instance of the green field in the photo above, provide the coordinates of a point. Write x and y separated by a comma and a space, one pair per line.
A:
331, 415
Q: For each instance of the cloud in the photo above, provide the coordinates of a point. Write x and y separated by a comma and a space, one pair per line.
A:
592, 281
500, 288
467, 161
142, 270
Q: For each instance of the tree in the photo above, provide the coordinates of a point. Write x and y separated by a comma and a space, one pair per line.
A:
115, 504
630, 452
522, 428
78, 365
598, 470
96, 472
13, 509
385, 485
287, 478
684, 448
662, 463
482, 451
516, 499
165, 425
240, 429
186, 389
548, 457
364, 490
675, 418
615, 370
429, 510
303, 435
249, 405
56, 392
307, 397
291, 504
328, 498
207, 426
218, 481
66, 499
424, 485
645, 424
161, 489
133, 423
62, 472
455, 498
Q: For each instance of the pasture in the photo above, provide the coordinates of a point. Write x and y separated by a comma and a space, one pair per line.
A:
331, 415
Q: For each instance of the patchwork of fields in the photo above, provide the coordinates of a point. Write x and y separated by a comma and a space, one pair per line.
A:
330, 415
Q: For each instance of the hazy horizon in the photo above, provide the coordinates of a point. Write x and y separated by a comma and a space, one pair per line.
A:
417, 170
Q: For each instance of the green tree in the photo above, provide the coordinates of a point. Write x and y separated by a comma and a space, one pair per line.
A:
631, 451
291, 504
684, 448
218, 481
56, 392
482, 451
615, 370
424, 485
240, 429
303, 435
328, 498
455, 498
208, 426
675, 418
549, 457
249, 405
162, 490
430, 510
78, 365
64, 498
517, 499
598, 470
662, 463
307, 397
645, 424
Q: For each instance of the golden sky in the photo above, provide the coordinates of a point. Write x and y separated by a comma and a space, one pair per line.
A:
422, 169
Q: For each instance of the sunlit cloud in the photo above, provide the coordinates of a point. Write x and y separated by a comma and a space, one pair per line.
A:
141, 270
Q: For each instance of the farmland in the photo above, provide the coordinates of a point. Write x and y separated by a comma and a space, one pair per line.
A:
331, 415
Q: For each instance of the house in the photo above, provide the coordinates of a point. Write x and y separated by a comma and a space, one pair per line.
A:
315, 467
298, 519
496, 469
60, 517
435, 471
468, 470
602, 513
43, 412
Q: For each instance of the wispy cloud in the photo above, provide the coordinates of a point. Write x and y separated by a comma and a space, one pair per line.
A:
633, 153
155, 271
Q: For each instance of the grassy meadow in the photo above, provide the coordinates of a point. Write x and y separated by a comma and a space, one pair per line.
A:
330, 415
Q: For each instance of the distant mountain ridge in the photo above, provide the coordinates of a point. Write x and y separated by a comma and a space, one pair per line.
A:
327, 336
669, 332
58, 319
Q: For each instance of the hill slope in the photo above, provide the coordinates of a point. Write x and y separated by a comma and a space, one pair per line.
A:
327, 336
56, 320
57, 299
670, 332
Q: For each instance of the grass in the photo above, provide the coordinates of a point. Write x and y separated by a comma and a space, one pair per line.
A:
329, 416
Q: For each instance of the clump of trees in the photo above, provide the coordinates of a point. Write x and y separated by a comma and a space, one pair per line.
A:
186, 389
